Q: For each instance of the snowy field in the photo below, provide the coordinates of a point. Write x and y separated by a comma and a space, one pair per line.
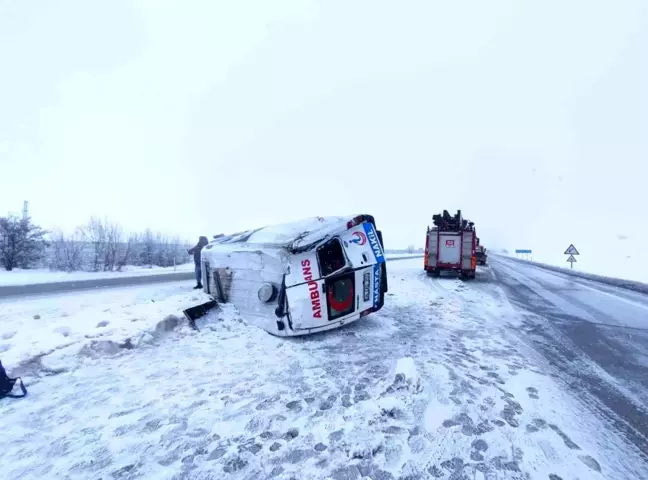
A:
438, 384
46, 333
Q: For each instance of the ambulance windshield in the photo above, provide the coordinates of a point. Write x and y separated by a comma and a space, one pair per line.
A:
331, 257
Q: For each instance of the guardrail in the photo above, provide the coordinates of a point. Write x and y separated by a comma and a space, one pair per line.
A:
616, 282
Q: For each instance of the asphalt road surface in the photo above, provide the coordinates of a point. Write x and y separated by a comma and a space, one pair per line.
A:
596, 337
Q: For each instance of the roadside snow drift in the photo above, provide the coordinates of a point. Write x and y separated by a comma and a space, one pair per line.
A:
45, 335
436, 385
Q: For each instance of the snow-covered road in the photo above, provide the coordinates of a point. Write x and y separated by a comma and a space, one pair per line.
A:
594, 336
447, 381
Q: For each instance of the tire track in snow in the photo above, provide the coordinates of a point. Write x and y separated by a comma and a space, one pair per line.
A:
233, 402
593, 388
516, 408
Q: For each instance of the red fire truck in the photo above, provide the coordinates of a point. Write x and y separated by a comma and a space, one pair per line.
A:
450, 246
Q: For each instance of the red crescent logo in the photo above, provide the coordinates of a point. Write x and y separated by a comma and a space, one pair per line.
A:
360, 238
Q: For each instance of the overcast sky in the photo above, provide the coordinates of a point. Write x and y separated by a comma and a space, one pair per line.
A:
200, 117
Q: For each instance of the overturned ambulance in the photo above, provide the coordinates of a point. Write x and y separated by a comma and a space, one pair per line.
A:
298, 278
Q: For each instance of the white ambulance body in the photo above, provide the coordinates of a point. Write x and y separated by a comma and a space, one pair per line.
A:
302, 277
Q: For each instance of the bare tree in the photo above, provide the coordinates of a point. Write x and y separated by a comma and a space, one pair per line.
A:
114, 238
95, 236
67, 251
175, 250
128, 251
102, 244
159, 250
147, 251
167, 250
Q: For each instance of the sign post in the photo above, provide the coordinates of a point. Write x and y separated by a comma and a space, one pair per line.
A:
571, 251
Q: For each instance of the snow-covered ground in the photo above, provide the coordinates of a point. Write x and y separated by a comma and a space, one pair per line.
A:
42, 275
435, 385
49, 331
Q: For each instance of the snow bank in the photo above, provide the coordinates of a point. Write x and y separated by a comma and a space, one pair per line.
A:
406, 375
53, 334
38, 276
616, 282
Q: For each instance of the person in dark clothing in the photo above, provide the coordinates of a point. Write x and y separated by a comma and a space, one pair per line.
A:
195, 251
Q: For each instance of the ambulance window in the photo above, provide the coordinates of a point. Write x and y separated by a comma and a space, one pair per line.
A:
340, 295
331, 257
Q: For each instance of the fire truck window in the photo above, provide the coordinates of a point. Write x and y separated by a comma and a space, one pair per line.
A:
340, 295
331, 257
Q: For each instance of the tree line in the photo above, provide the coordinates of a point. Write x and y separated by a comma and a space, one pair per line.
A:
99, 245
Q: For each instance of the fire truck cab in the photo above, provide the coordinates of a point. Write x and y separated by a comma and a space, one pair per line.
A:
450, 246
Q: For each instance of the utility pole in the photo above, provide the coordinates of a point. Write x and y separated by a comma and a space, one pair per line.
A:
25, 214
